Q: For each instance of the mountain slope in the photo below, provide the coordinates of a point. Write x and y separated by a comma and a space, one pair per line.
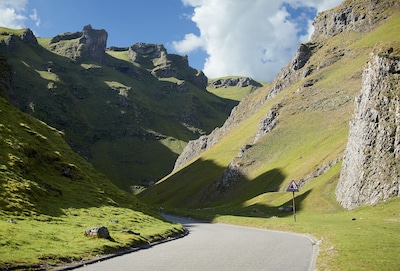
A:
309, 105
129, 111
50, 195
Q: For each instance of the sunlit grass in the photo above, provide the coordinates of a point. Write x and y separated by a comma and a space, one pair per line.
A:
49, 196
48, 240
307, 143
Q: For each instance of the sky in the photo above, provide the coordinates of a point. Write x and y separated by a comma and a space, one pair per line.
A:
254, 38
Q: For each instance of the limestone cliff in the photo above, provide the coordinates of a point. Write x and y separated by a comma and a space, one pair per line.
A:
351, 16
156, 59
370, 171
89, 43
239, 82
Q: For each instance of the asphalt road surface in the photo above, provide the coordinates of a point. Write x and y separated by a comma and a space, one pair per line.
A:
210, 247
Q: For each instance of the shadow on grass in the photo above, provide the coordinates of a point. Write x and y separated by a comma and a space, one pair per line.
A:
205, 190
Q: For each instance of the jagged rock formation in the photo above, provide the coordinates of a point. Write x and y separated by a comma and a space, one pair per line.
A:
89, 43
268, 123
370, 171
195, 147
352, 15
26, 36
155, 58
233, 82
94, 43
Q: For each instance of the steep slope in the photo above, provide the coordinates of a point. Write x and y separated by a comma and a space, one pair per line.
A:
370, 169
296, 129
49, 195
129, 111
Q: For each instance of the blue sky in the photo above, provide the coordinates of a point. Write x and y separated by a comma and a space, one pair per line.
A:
253, 38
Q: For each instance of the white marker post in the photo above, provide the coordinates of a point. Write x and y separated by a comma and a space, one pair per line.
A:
293, 187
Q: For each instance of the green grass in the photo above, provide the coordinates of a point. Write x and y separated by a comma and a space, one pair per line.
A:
53, 195
232, 93
100, 107
46, 240
311, 135
369, 242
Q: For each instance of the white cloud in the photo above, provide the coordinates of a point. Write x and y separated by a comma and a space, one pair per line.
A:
34, 17
254, 38
14, 14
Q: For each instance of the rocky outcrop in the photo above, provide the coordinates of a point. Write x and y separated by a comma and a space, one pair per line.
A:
233, 82
296, 70
90, 43
370, 171
351, 15
268, 123
10, 42
28, 37
154, 57
65, 36
94, 43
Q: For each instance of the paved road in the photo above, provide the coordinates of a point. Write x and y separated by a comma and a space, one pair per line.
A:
211, 247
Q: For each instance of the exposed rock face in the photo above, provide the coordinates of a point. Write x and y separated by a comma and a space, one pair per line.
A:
268, 123
66, 36
234, 82
296, 69
370, 171
26, 36
95, 43
89, 43
352, 15
155, 58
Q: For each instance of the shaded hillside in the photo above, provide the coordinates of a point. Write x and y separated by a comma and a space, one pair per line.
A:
50, 195
129, 111
296, 129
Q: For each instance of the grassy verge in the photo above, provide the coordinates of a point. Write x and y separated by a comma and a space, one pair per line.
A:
367, 238
43, 241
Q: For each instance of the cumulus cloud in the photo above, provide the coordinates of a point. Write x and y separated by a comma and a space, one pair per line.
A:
254, 38
14, 14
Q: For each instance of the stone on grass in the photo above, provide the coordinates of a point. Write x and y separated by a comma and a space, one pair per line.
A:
98, 232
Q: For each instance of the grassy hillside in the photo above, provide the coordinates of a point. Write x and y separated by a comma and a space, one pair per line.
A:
49, 196
307, 144
128, 123
231, 92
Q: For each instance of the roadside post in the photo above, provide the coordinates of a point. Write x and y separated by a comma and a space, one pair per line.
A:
293, 187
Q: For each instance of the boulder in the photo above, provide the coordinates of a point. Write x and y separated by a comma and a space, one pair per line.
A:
98, 232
